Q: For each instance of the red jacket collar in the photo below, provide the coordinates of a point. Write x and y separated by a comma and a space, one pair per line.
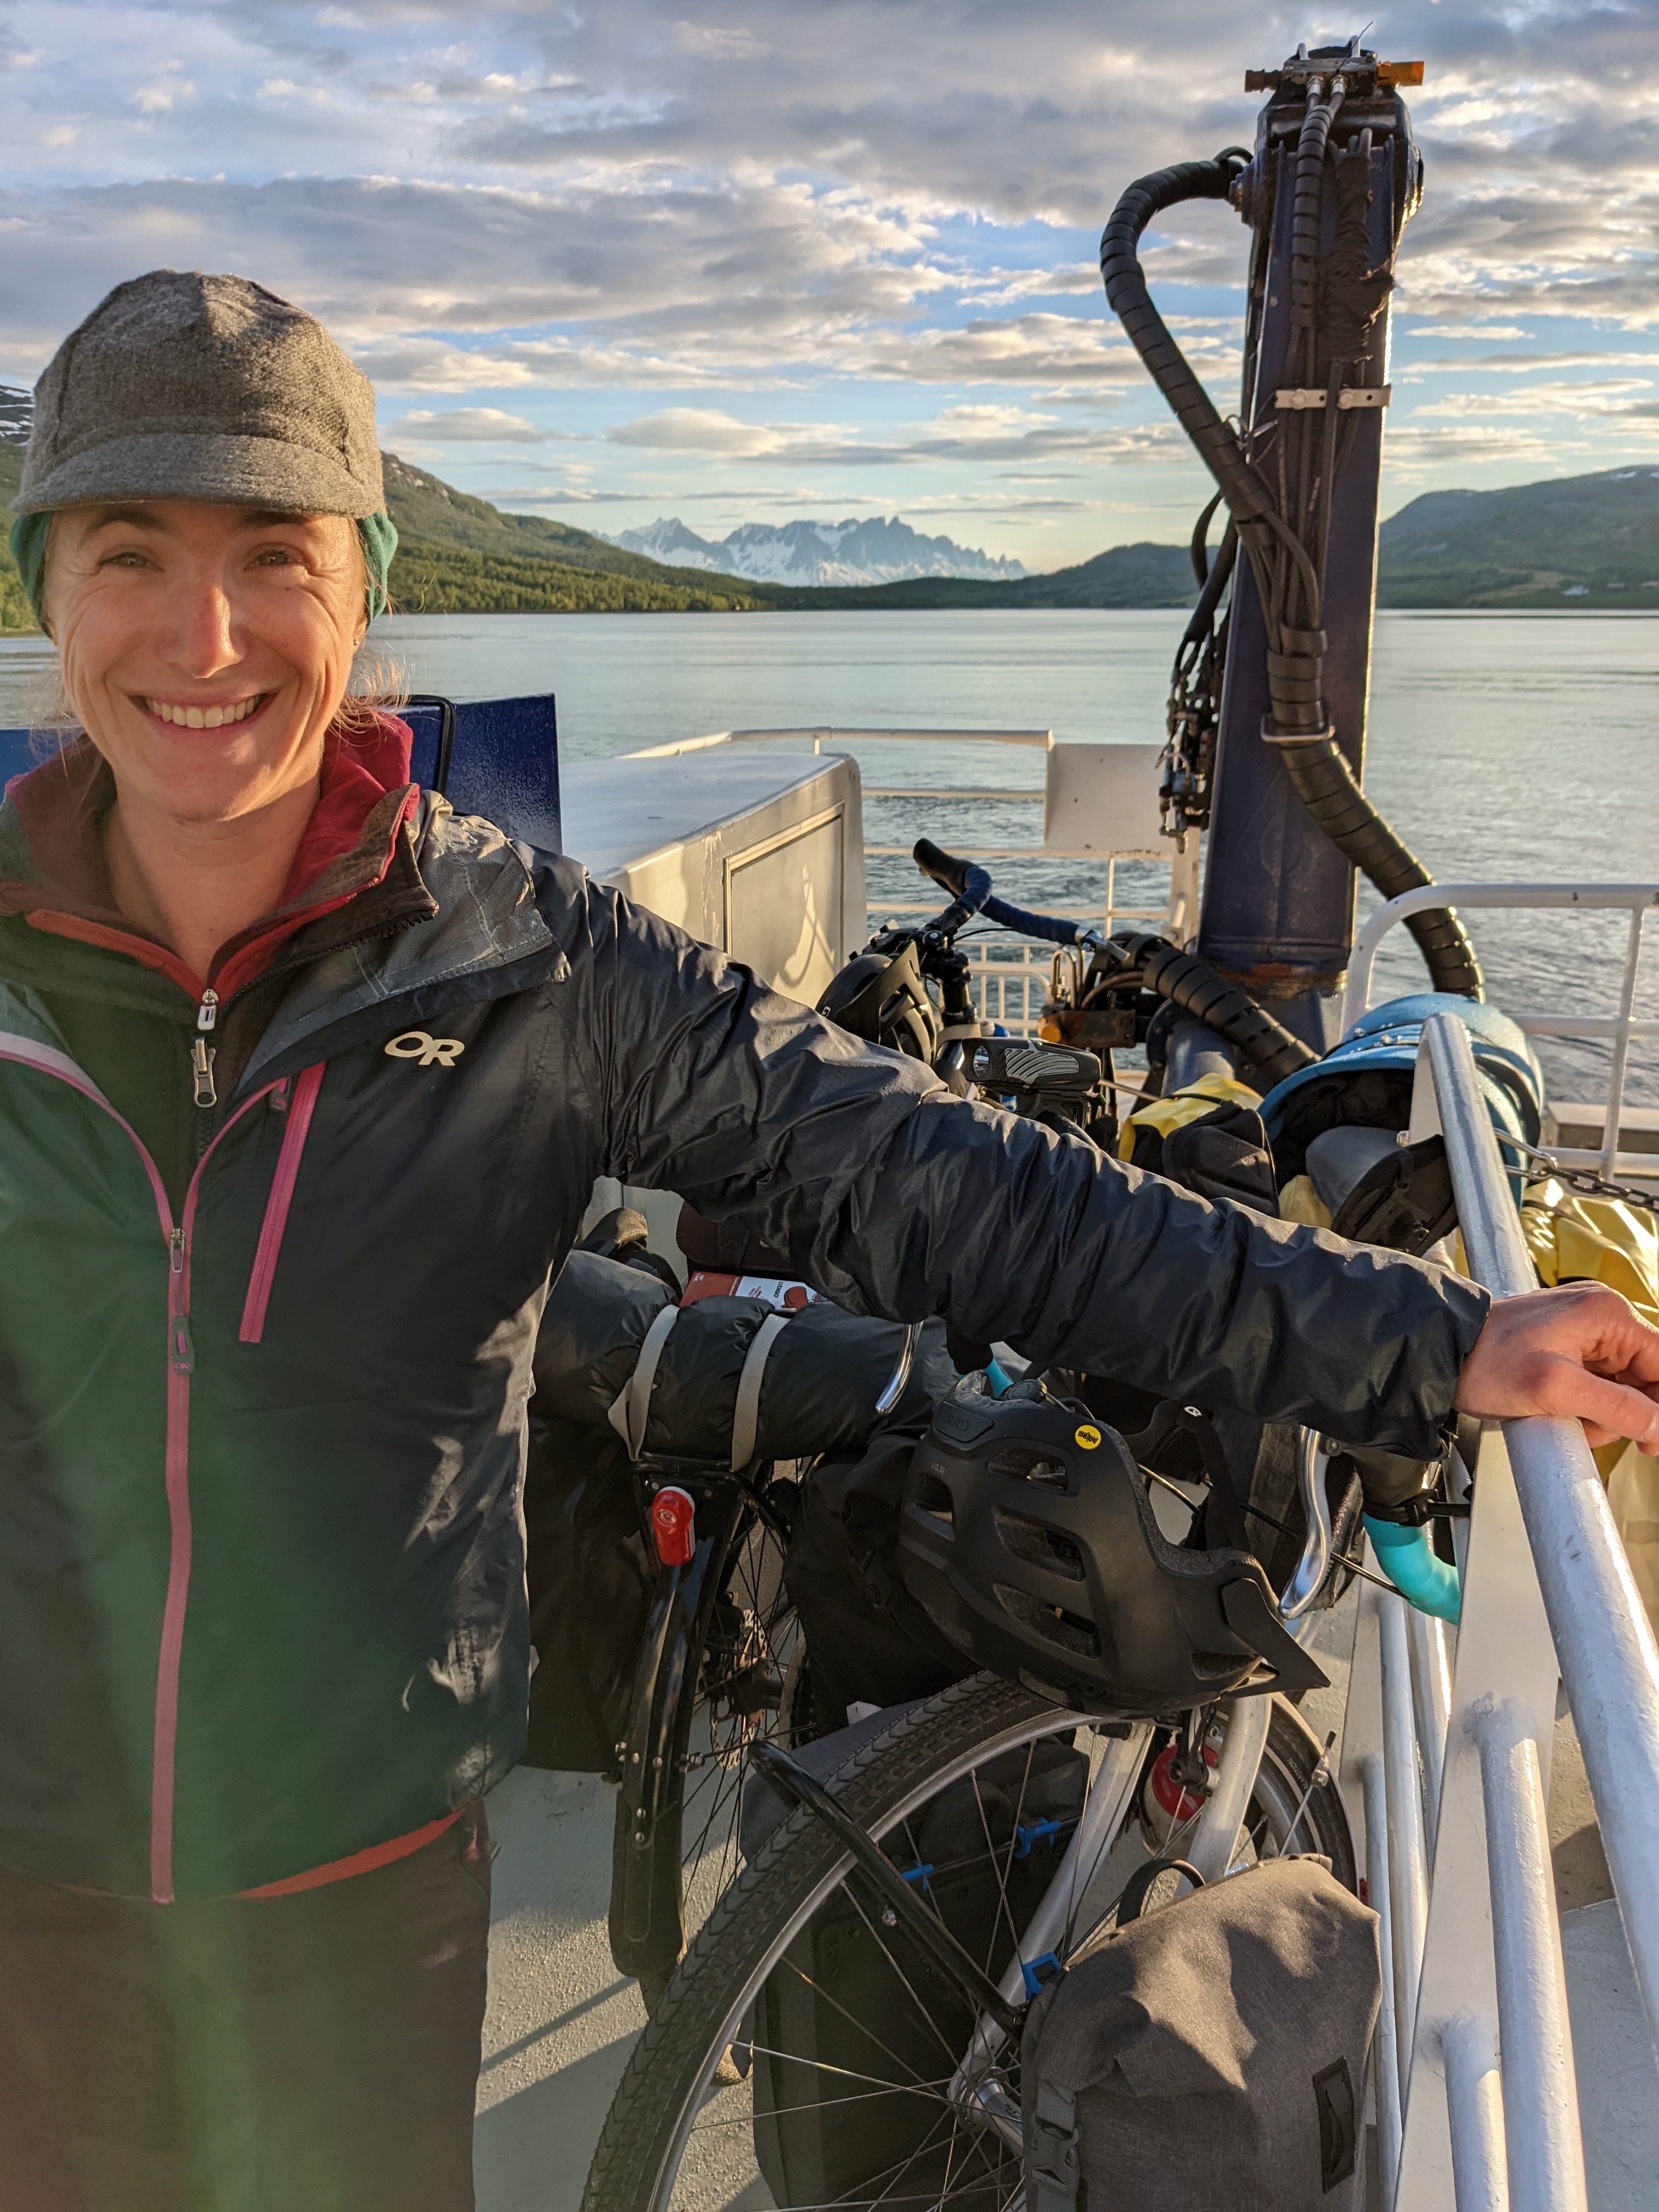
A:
348, 845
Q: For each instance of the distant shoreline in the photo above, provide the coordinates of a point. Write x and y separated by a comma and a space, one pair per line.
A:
1613, 606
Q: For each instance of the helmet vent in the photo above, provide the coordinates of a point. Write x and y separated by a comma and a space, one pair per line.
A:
934, 1497
1031, 1463
1039, 1544
1064, 1629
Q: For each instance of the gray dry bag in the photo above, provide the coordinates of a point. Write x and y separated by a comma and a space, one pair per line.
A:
1210, 2054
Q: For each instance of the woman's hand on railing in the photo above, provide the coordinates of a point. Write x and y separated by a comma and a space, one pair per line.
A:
1580, 1352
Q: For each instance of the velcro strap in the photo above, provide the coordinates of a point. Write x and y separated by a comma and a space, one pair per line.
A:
745, 1409
630, 1410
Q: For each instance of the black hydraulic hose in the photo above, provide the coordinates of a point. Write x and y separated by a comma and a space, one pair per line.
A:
1322, 779
1250, 499
1220, 576
1194, 986
1198, 552
1318, 770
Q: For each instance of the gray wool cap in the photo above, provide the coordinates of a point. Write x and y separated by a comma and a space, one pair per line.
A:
180, 386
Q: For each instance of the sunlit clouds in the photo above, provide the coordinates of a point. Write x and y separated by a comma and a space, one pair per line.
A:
765, 254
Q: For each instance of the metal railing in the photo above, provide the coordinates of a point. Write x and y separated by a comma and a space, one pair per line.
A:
1476, 2102
1621, 1029
1010, 977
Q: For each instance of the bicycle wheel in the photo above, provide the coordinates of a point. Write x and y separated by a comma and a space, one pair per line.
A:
846, 2043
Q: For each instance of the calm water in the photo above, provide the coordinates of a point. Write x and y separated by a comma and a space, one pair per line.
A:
1519, 747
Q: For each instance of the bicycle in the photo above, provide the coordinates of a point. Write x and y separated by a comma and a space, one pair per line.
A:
845, 2027
719, 1623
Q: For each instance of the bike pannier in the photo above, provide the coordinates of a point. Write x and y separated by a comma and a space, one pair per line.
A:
1211, 2053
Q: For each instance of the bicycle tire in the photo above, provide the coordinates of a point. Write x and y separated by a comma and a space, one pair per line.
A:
693, 1856
637, 2162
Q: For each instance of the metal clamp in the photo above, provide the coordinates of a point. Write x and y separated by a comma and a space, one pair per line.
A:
1293, 397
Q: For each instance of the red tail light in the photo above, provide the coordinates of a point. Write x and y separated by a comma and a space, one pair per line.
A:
673, 1516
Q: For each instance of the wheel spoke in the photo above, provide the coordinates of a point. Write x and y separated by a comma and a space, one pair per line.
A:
891, 2034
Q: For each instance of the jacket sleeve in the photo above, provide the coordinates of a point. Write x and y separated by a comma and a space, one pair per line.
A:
894, 1197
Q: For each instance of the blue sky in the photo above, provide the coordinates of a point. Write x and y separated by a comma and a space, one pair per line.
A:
756, 259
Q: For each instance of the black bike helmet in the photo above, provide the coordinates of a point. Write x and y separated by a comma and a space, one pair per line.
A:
1028, 1536
881, 996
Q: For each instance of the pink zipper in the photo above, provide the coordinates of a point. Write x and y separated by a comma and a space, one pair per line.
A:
181, 1361
300, 1106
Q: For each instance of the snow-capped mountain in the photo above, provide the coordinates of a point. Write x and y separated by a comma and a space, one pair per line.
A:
881, 550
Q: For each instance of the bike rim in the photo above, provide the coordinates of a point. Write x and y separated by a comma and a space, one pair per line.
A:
978, 2171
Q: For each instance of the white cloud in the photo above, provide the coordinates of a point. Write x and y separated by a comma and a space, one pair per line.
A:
717, 43
469, 426
855, 220
1493, 331
1612, 396
702, 430
163, 95
1523, 364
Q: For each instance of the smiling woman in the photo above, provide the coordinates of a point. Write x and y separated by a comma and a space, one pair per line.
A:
205, 651
203, 569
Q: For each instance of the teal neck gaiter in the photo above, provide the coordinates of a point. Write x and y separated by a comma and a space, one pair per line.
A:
377, 534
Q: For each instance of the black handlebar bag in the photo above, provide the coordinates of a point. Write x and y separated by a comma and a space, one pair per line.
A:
1210, 2054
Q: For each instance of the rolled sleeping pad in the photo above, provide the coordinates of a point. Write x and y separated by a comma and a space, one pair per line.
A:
824, 1369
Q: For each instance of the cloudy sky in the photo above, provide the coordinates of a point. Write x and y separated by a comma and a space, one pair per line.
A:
746, 260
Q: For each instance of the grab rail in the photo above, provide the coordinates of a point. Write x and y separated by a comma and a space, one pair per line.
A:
1621, 1030
1488, 2111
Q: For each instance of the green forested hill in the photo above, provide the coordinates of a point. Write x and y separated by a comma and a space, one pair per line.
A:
15, 613
1573, 541
442, 580
459, 555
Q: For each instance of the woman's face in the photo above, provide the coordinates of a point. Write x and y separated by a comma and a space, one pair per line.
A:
205, 649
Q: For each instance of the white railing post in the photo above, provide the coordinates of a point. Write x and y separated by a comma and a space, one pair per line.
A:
1545, 2153
1432, 1705
1408, 1883
1604, 1641
1389, 2072
1474, 2101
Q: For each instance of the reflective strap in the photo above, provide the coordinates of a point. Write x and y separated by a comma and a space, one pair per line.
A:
631, 1408
745, 1410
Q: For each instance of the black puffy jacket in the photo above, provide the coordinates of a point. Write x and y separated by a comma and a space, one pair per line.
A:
262, 1589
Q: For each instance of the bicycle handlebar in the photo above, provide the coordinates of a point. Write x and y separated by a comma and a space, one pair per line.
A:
972, 887
971, 884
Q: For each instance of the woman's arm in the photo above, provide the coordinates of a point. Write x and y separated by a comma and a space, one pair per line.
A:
896, 1198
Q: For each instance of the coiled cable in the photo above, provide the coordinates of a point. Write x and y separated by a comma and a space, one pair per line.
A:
1287, 581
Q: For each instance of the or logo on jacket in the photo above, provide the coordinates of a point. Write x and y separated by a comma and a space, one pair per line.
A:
429, 1051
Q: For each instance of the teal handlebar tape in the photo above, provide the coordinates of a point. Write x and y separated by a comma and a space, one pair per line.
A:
1416, 1571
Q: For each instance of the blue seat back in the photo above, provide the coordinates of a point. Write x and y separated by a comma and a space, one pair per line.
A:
502, 760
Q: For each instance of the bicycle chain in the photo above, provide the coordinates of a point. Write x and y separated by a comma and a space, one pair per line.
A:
1585, 1180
